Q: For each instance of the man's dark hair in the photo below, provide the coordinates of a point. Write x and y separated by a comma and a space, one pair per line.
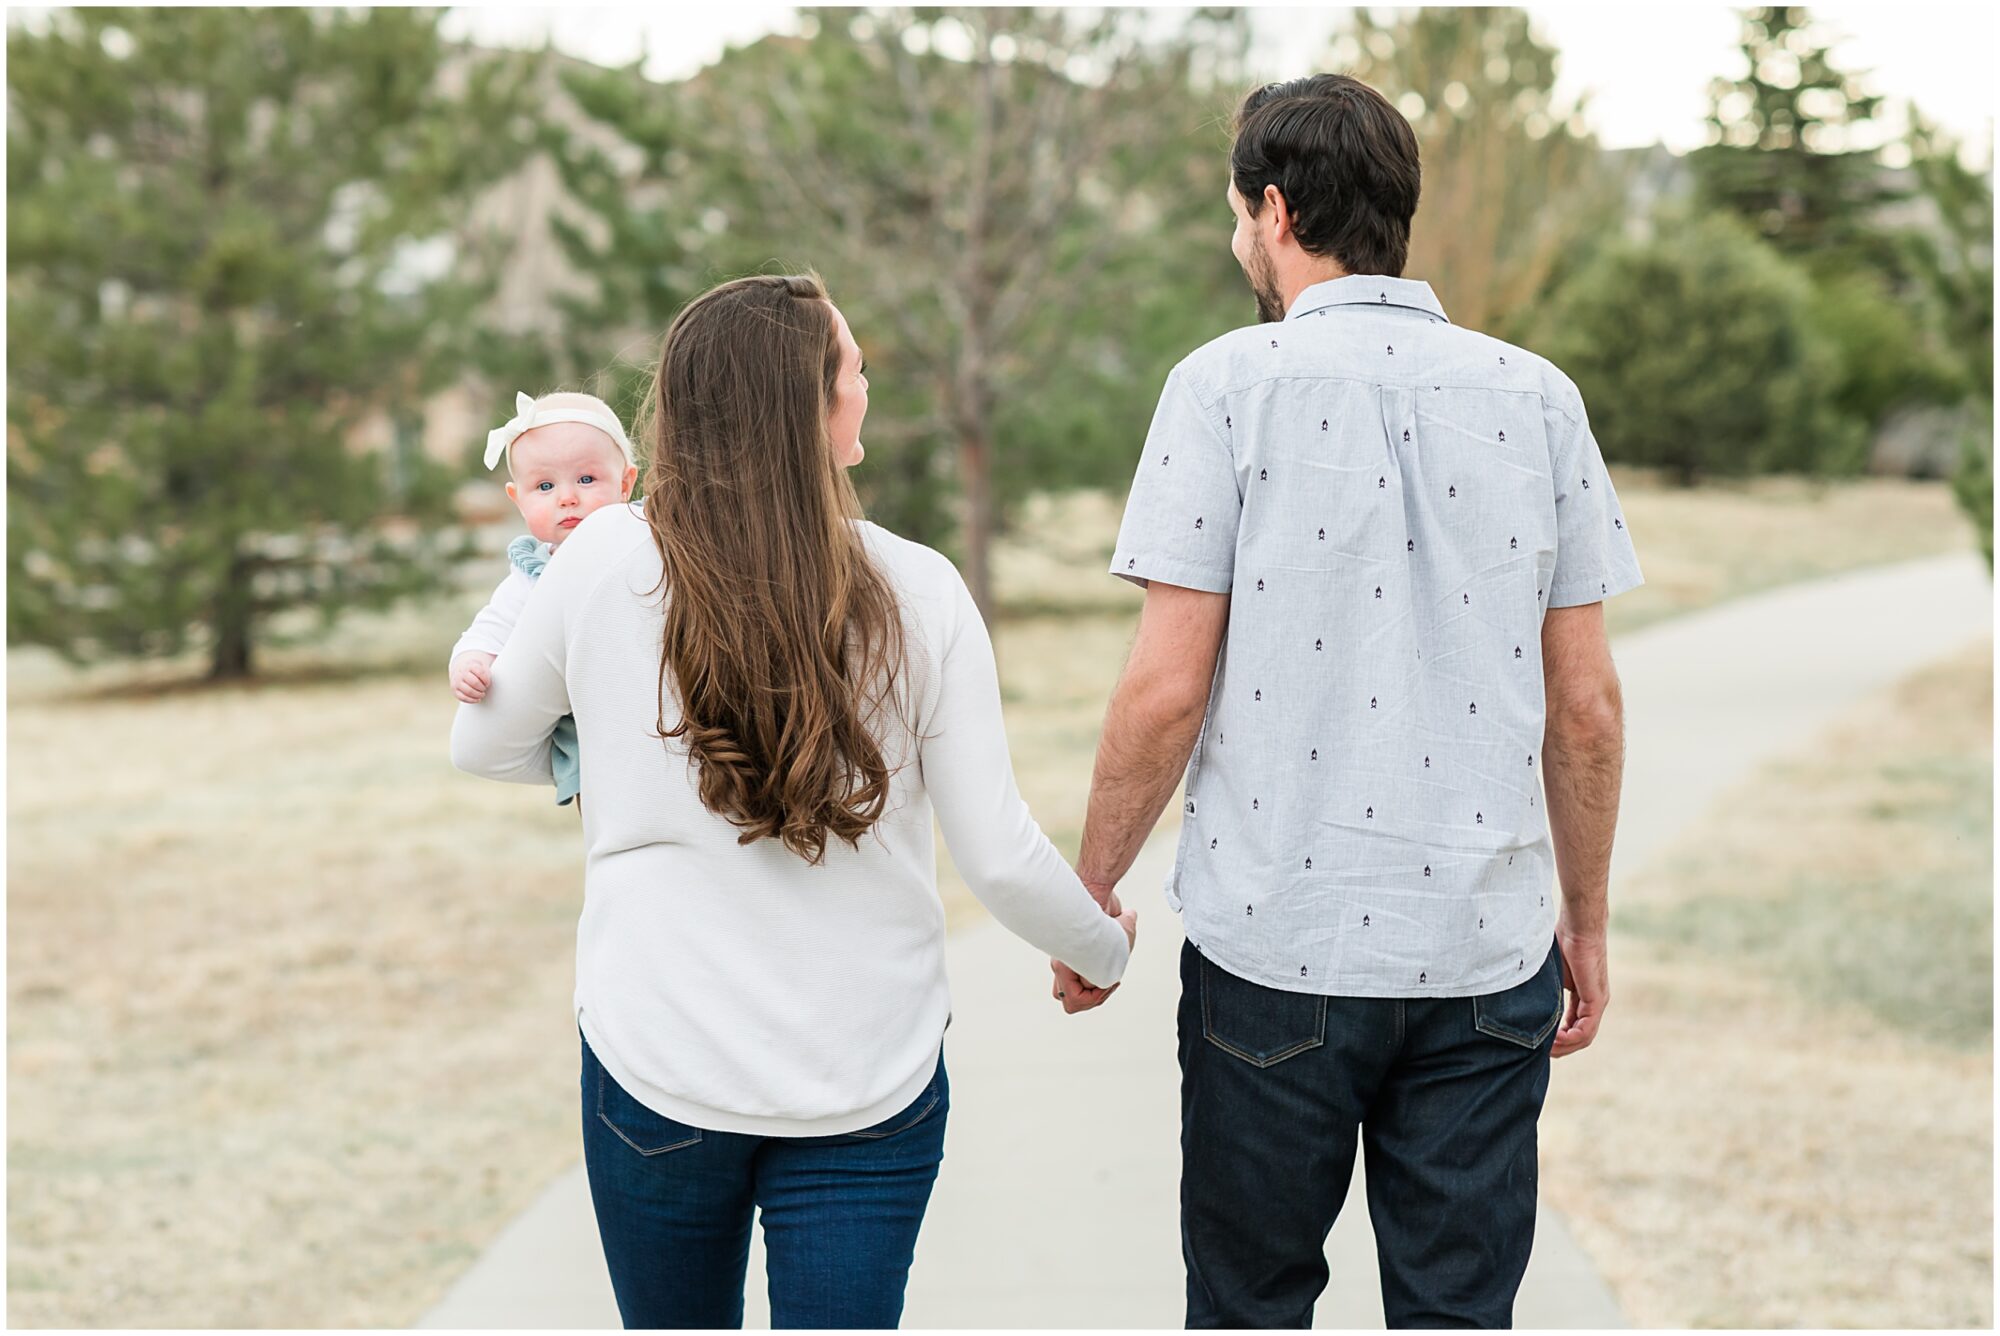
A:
1345, 161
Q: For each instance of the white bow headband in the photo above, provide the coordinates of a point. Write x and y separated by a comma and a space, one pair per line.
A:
527, 417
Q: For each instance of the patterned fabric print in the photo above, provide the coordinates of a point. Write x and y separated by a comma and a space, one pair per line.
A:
1393, 503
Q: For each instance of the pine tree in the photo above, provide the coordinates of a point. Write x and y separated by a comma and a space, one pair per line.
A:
1018, 211
1953, 260
1793, 152
1954, 264
232, 233
636, 232
1787, 143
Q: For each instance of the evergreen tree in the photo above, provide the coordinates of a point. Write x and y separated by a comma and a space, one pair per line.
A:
1791, 151
1953, 259
1973, 483
1954, 262
636, 235
1786, 144
1018, 210
232, 233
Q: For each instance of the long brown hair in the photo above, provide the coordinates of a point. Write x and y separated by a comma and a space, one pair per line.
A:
782, 639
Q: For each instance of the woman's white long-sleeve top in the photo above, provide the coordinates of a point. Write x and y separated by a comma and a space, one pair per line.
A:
735, 987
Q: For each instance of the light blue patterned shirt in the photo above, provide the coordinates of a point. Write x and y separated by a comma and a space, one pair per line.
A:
1392, 502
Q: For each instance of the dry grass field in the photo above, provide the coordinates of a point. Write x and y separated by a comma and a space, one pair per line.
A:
288, 1034
1788, 1118
1728, 539
1720, 541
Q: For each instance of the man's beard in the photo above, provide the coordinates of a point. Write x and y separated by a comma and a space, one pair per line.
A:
1264, 284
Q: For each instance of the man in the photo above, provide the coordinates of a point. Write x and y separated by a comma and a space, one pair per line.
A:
1375, 548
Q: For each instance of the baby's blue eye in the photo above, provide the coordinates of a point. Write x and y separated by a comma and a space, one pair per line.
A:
587, 479
544, 486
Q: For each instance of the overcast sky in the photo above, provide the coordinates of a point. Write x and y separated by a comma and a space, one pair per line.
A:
1646, 66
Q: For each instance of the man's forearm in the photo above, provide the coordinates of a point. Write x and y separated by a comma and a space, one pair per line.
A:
1140, 759
1582, 770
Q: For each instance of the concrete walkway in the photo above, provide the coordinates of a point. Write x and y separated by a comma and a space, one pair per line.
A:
1056, 1206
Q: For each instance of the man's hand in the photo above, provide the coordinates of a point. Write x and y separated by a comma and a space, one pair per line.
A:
471, 675
1587, 975
1072, 990
1105, 895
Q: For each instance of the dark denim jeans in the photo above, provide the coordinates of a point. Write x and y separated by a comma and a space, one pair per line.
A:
840, 1213
1443, 1094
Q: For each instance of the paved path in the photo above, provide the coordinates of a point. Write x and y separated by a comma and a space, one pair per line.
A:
1708, 697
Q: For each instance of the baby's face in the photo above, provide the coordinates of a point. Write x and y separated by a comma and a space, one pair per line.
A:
561, 473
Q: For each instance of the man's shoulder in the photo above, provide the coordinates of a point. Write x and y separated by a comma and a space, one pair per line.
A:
1214, 366
1464, 355
1508, 366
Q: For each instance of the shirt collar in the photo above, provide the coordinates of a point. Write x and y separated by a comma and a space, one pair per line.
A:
1368, 290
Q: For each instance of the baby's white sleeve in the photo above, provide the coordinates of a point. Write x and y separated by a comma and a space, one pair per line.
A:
495, 622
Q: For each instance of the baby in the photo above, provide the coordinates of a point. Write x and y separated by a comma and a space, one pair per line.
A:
567, 455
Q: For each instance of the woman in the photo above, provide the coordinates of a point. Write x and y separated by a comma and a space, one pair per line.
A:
772, 697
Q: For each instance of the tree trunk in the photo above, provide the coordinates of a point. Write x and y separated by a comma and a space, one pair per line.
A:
230, 658
1686, 464
973, 468
975, 291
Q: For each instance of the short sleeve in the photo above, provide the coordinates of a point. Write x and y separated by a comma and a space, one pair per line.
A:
1595, 559
1181, 516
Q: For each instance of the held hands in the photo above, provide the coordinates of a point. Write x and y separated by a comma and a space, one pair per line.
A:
1070, 988
471, 675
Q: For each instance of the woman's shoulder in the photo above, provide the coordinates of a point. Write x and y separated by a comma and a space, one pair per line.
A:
605, 536
919, 571
609, 526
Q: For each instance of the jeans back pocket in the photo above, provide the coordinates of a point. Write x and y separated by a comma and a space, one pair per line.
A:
1527, 1013
1262, 1026
642, 1128
911, 1114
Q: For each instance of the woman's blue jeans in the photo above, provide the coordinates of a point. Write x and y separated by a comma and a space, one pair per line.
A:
840, 1213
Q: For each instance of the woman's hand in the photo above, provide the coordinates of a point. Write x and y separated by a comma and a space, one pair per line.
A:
1070, 987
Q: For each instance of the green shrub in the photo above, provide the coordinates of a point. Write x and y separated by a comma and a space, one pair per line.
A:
1889, 355
1697, 351
1973, 484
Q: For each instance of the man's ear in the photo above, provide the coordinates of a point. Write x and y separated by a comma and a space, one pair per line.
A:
631, 477
1281, 213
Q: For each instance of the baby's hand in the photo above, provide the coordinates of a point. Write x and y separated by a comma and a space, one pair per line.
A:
471, 675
